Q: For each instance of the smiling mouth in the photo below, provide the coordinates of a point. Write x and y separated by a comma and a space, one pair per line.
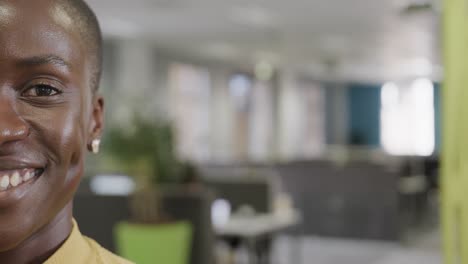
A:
13, 178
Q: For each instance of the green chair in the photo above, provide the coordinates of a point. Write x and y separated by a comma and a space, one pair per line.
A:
154, 244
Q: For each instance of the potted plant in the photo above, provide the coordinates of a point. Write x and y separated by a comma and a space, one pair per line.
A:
146, 152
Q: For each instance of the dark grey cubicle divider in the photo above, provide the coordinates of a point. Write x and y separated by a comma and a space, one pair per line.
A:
357, 200
98, 214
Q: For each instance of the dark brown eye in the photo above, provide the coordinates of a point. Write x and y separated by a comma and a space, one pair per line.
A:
41, 90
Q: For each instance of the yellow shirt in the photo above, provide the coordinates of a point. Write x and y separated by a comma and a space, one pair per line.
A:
79, 249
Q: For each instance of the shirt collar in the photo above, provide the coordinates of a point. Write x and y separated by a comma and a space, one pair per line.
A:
75, 249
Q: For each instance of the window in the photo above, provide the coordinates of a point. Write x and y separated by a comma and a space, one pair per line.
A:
407, 118
190, 89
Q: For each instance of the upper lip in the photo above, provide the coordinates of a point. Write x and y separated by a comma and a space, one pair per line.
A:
18, 163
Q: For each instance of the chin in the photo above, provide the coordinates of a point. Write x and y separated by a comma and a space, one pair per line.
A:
13, 237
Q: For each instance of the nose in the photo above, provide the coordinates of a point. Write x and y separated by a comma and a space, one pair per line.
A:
12, 126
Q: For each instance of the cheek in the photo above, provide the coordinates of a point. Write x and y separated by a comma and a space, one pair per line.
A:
71, 137
60, 133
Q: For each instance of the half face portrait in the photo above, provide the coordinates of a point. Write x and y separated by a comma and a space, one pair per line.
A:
50, 113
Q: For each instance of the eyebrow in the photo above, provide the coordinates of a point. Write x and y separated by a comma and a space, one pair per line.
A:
44, 60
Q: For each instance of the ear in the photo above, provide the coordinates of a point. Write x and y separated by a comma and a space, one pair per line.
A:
97, 120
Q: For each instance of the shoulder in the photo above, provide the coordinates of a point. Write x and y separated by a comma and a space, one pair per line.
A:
103, 256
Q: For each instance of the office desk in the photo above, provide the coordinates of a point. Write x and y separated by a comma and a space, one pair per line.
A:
253, 230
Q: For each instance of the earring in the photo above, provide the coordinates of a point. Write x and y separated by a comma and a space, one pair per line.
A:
95, 146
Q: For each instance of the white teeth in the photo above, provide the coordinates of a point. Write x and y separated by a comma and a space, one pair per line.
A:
12, 180
4, 182
15, 179
27, 176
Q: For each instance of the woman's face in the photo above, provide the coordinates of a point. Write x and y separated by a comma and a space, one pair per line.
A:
48, 115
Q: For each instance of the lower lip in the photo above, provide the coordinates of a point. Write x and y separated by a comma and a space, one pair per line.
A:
15, 194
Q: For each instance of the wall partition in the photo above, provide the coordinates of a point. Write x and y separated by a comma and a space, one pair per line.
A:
455, 132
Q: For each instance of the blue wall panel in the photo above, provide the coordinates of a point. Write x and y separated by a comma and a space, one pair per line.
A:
364, 114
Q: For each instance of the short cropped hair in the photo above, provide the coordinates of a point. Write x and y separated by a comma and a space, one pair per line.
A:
86, 22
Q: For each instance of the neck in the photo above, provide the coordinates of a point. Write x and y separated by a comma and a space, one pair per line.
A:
44, 243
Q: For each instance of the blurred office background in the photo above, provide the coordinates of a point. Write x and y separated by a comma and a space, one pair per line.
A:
284, 132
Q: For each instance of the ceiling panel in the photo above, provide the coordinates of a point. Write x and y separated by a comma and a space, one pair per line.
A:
365, 33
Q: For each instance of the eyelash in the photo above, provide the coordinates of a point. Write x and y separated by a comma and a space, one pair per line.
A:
53, 91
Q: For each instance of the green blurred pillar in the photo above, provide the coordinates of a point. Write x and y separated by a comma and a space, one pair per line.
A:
454, 181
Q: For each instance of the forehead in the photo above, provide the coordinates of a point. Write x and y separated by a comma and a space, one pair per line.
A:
34, 28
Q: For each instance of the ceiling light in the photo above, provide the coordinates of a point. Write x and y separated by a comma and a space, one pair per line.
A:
417, 6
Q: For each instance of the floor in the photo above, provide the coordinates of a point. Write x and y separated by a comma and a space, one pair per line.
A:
425, 249
422, 248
